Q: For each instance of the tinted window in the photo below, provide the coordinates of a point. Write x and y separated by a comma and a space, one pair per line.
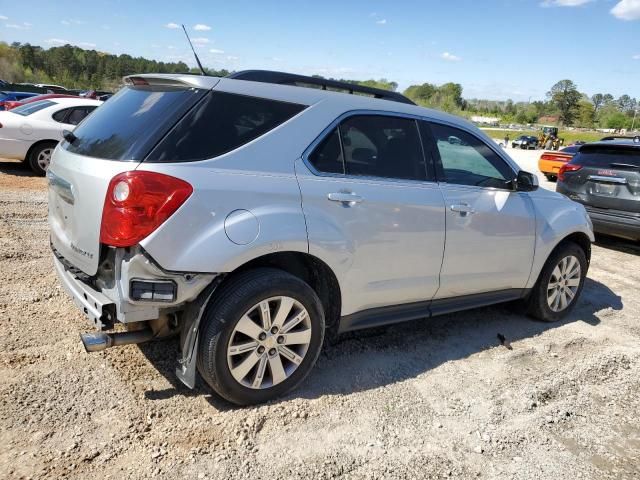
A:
59, 115
30, 108
382, 146
605, 157
327, 157
78, 114
468, 161
219, 124
129, 124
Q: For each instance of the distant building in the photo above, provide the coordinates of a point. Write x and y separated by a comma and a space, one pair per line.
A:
549, 120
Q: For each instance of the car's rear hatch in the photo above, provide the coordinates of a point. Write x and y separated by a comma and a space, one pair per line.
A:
609, 176
114, 139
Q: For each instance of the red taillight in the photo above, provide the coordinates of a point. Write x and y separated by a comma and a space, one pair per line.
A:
137, 203
556, 157
568, 167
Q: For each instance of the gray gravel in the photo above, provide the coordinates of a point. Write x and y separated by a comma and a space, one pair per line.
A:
433, 399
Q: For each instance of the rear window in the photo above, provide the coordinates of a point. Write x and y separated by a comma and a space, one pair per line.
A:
605, 157
219, 124
132, 121
29, 108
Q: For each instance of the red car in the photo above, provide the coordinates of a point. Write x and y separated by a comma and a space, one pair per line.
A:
13, 104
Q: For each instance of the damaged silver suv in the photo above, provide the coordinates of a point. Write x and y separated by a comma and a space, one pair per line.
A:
254, 214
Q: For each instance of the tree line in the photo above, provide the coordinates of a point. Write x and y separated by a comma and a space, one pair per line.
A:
75, 67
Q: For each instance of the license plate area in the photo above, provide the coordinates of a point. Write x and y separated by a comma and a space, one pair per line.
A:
604, 189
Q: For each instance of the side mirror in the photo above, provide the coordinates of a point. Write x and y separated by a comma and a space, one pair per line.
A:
526, 182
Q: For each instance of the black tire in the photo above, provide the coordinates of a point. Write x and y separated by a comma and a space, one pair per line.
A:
236, 297
536, 304
551, 178
34, 156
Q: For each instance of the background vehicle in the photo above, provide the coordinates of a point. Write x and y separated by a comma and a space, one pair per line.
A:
549, 139
605, 177
6, 97
35, 98
526, 142
32, 131
550, 162
253, 217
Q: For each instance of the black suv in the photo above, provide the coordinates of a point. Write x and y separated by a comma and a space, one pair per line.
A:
605, 177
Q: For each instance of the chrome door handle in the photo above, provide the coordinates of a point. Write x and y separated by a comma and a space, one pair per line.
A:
343, 197
463, 209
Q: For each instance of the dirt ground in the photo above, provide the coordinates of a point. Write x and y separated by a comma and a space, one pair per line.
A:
425, 399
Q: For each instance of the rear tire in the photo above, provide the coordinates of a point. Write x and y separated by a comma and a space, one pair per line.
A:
559, 285
243, 361
40, 157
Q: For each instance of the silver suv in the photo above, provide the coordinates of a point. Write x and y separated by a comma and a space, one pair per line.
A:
254, 215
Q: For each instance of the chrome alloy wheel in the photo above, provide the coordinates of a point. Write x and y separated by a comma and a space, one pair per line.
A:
563, 283
269, 342
44, 158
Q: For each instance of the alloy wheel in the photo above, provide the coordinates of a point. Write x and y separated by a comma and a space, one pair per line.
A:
269, 342
563, 283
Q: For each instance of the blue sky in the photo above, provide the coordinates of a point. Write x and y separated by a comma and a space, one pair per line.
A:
492, 47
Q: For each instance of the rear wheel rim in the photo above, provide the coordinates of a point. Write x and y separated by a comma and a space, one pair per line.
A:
44, 158
269, 342
564, 283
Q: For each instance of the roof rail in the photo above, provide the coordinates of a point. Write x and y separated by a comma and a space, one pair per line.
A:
282, 78
620, 137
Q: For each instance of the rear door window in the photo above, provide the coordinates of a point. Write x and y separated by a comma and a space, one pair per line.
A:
132, 122
221, 123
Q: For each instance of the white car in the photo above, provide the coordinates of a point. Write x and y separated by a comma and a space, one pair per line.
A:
32, 131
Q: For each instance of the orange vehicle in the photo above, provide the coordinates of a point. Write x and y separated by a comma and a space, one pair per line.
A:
551, 161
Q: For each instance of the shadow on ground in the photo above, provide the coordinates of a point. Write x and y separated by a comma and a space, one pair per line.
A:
618, 244
16, 168
372, 358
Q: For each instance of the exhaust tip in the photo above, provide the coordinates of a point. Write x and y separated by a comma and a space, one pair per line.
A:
95, 342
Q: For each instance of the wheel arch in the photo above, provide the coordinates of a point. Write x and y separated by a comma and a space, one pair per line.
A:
36, 144
312, 270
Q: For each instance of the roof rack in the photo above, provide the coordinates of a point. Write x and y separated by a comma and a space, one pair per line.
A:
282, 78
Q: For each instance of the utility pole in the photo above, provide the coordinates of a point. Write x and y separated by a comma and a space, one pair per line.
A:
633, 122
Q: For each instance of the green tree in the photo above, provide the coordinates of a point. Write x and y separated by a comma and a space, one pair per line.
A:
586, 114
565, 96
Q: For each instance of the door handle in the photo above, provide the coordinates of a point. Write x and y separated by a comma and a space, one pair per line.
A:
463, 209
344, 197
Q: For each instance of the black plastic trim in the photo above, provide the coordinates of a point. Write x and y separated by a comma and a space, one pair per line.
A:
376, 317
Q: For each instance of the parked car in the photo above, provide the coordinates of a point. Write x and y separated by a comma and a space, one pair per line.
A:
526, 142
254, 218
550, 162
51, 87
31, 132
95, 94
35, 98
605, 177
6, 97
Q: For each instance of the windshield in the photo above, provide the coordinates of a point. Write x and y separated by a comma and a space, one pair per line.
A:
33, 107
131, 122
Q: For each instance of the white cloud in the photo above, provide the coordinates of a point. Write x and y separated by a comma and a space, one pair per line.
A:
56, 41
2, 17
201, 27
636, 57
564, 3
27, 24
382, 21
200, 40
172, 25
231, 58
65, 22
86, 45
72, 21
449, 57
216, 51
13, 25
627, 10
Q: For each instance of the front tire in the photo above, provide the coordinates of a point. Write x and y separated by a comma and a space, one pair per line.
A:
261, 335
560, 283
40, 157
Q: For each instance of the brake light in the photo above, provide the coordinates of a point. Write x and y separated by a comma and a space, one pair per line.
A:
137, 203
555, 157
568, 167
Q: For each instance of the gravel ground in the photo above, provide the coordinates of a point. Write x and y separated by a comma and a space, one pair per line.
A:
419, 400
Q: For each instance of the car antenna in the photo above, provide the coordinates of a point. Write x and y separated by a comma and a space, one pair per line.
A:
194, 52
